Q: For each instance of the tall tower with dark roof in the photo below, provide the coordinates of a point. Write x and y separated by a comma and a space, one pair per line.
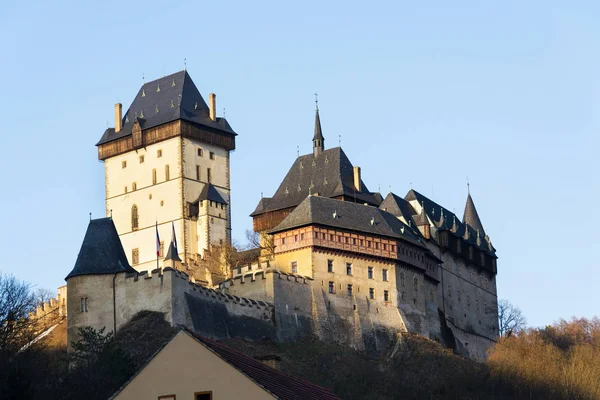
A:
167, 161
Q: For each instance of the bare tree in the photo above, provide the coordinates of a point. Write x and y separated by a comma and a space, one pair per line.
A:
253, 239
42, 295
510, 318
16, 302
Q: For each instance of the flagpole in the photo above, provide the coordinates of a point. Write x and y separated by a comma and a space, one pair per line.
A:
157, 244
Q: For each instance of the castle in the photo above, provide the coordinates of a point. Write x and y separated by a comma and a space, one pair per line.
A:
335, 259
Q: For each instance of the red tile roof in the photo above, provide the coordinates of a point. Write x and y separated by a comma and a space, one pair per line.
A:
281, 385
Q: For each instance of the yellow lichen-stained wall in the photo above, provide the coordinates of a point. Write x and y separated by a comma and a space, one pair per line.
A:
302, 257
359, 278
157, 197
184, 367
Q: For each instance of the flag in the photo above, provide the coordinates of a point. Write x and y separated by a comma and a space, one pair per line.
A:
157, 241
174, 238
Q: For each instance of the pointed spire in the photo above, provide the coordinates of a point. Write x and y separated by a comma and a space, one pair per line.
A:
471, 217
172, 253
318, 139
454, 226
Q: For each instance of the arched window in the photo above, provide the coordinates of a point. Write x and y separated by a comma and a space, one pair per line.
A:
134, 218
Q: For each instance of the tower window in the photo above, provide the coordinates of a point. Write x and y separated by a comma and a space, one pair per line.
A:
135, 256
371, 293
154, 176
329, 265
349, 290
208, 175
134, 218
370, 272
123, 164
331, 288
167, 173
141, 159
84, 304
212, 155
294, 267
348, 269
125, 189
158, 153
197, 172
386, 296
416, 283
402, 279
385, 275
134, 186
200, 152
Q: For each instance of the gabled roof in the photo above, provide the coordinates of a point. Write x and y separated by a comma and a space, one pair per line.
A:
324, 211
279, 384
101, 251
471, 217
329, 174
209, 192
450, 222
163, 100
399, 207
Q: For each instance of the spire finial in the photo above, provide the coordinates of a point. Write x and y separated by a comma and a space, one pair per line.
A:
297, 151
90, 216
224, 112
340, 140
317, 101
143, 79
468, 186
185, 64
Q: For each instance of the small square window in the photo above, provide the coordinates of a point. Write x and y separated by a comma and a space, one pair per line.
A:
200, 152
294, 267
158, 153
203, 396
123, 164
329, 265
212, 155
282, 240
302, 236
141, 159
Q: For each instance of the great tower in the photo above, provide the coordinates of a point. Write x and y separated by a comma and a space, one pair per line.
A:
167, 164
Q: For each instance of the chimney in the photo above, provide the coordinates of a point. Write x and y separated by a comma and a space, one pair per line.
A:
118, 116
357, 184
213, 106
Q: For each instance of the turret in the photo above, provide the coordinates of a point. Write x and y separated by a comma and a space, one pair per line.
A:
318, 139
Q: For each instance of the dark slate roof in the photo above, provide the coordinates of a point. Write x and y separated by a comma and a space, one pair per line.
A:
101, 251
262, 206
399, 207
172, 253
318, 131
178, 98
209, 192
471, 217
319, 210
450, 222
282, 386
329, 174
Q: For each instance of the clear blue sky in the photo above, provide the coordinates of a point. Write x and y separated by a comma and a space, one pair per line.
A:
507, 94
